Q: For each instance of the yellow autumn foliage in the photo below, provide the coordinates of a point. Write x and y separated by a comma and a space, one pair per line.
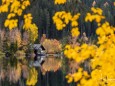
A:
15, 9
101, 55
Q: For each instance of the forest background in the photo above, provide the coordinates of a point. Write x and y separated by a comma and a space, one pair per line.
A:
43, 11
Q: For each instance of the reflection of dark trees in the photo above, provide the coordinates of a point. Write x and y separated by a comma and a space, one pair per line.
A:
53, 79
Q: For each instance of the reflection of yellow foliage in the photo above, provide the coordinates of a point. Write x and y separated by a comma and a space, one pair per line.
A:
14, 73
25, 71
20, 54
33, 77
51, 64
60, 1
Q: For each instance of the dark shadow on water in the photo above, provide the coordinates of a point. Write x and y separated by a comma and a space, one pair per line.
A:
53, 79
